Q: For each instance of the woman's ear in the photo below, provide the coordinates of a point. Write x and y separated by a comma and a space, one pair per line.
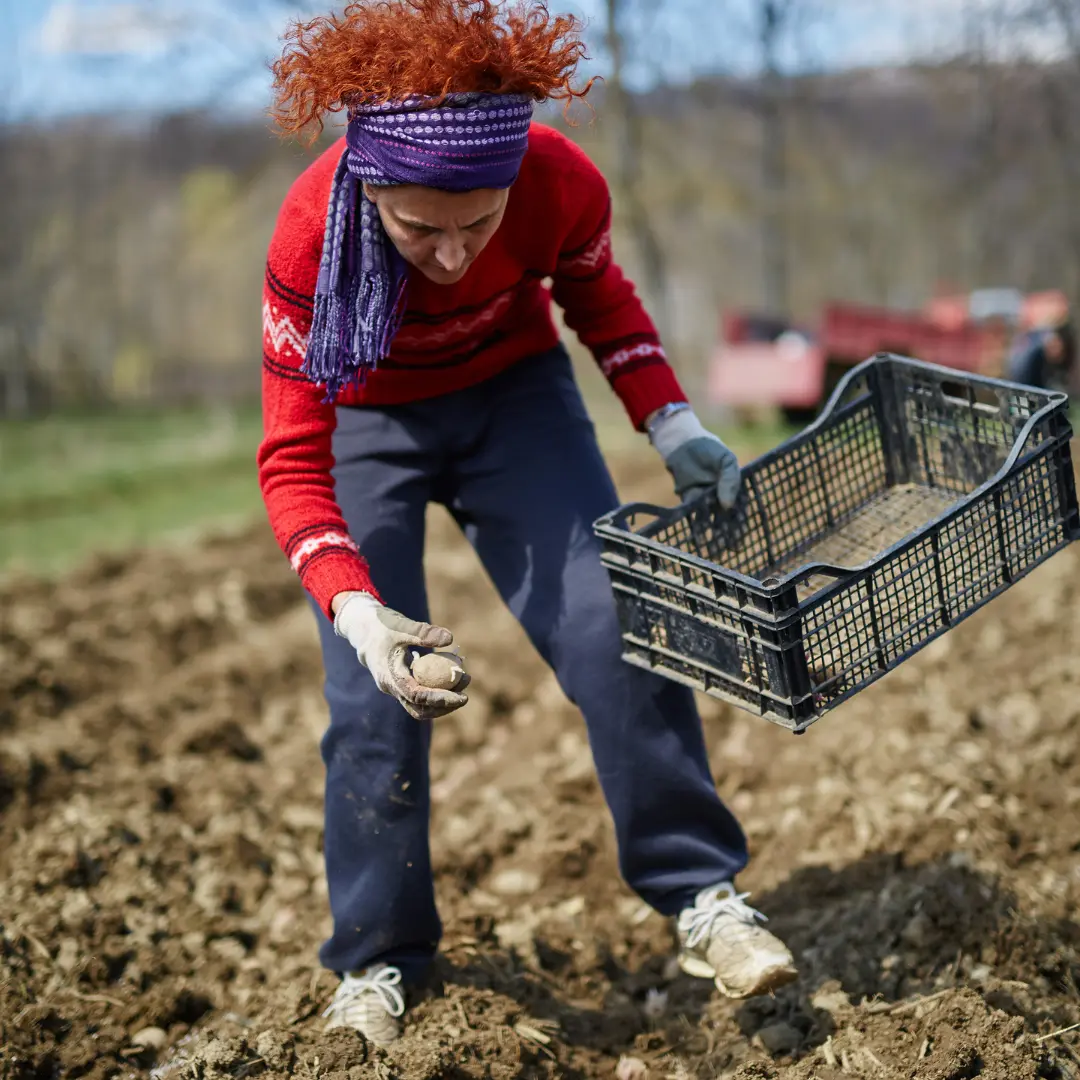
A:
371, 193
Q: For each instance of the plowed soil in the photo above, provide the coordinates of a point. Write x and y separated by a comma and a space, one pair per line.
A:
160, 863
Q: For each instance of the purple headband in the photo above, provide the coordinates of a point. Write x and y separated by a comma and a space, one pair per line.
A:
470, 141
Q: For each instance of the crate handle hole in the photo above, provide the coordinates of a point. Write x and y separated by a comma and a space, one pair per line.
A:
969, 394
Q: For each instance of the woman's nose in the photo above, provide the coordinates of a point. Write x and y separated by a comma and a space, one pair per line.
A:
450, 253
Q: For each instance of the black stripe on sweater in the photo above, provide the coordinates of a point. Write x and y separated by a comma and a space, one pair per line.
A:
336, 549
282, 370
642, 337
421, 318
454, 360
291, 296
635, 365
301, 535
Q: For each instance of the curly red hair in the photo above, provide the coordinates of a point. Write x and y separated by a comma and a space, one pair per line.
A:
384, 50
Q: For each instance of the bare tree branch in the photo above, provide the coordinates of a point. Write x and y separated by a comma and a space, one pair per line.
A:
773, 15
629, 140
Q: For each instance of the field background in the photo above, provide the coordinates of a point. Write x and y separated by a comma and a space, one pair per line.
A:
75, 484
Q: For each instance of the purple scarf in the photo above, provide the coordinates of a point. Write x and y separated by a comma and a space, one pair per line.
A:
471, 141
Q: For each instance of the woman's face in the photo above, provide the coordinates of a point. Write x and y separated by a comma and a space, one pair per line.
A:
439, 232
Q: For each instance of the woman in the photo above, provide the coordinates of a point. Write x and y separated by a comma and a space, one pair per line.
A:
410, 357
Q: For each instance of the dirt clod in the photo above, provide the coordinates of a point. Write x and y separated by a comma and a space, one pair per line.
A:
778, 1038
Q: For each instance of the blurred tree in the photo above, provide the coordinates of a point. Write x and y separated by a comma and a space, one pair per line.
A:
630, 149
1061, 94
131, 252
773, 17
15, 364
1024, 56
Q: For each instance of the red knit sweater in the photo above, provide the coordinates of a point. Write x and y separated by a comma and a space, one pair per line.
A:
556, 226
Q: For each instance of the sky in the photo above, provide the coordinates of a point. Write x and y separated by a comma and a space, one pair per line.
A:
71, 57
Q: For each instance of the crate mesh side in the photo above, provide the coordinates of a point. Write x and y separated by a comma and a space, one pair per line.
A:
818, 491
793, 502
694, 637
970, 563
1031, 516
890, 612
830, 499
867, 626
959, 435
885, 519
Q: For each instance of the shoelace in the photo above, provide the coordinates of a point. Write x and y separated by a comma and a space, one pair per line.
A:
702, 918
383, 983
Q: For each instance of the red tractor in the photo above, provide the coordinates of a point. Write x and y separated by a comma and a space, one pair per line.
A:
762, 362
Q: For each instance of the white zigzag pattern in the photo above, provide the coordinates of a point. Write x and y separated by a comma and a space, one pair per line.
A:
314, 543
282, 331
590, 258
616, 360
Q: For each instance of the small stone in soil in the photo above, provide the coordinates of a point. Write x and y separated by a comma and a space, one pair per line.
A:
515, 883
831, 1000
631, 1068
152, 1037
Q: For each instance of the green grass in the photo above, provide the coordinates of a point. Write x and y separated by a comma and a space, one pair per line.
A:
72, 486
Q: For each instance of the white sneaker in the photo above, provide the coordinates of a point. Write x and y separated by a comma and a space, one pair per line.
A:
720, 939
370, 1002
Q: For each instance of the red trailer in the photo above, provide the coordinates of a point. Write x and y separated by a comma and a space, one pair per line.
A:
762, 362
850, 333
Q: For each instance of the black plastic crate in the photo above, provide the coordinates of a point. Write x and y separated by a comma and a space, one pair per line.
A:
918, 495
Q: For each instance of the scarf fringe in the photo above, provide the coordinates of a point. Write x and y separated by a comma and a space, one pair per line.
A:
349, 334
324, 362
354, 317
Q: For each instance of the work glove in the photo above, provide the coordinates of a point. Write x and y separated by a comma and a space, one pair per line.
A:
384, 641
697, 459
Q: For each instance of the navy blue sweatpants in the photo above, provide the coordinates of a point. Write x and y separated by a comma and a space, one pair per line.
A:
515, 460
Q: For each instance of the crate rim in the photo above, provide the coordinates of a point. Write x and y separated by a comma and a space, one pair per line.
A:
1053, 399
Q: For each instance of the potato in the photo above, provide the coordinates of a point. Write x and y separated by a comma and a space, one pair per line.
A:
440, 671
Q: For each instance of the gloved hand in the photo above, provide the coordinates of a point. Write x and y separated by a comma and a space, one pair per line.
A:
383, 640
696, 458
